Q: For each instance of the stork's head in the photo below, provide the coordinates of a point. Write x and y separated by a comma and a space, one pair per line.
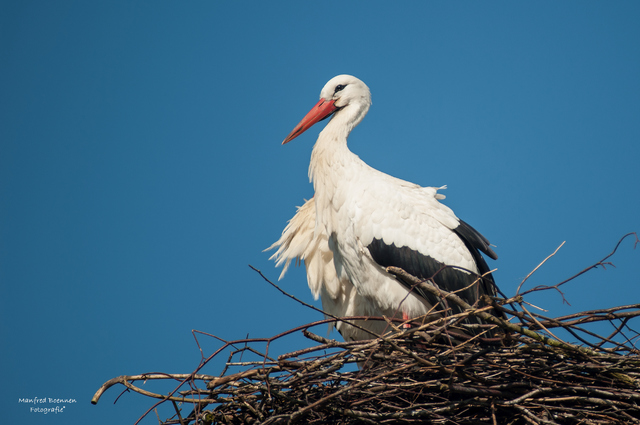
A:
344, 95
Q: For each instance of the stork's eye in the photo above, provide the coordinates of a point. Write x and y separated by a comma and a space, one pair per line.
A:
339, 87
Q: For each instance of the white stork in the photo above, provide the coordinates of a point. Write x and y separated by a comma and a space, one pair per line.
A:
369, 220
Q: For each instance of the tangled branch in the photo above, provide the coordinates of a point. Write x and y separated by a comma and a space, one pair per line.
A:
516, 372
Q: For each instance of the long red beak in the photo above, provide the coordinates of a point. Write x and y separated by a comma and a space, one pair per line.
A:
322, 110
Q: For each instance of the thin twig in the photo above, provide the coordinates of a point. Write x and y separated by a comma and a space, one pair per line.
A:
442, 371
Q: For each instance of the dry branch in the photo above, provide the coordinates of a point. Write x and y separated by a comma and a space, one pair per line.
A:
433, 373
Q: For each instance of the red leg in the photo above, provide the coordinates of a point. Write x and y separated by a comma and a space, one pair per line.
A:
405, 317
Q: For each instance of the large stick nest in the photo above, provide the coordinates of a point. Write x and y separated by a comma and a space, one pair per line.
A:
515, 370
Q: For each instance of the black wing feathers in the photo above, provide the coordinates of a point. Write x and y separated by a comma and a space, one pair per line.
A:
471, 237
447, 278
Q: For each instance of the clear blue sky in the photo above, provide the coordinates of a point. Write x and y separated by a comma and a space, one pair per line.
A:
141, 169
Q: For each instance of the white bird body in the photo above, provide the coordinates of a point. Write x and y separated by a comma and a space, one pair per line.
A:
372, 220
300, 242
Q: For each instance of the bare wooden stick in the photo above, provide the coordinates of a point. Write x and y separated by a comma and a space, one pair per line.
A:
432, 372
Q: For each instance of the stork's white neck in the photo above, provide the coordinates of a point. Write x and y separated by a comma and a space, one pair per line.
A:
333, 168
329, 155
330, 151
